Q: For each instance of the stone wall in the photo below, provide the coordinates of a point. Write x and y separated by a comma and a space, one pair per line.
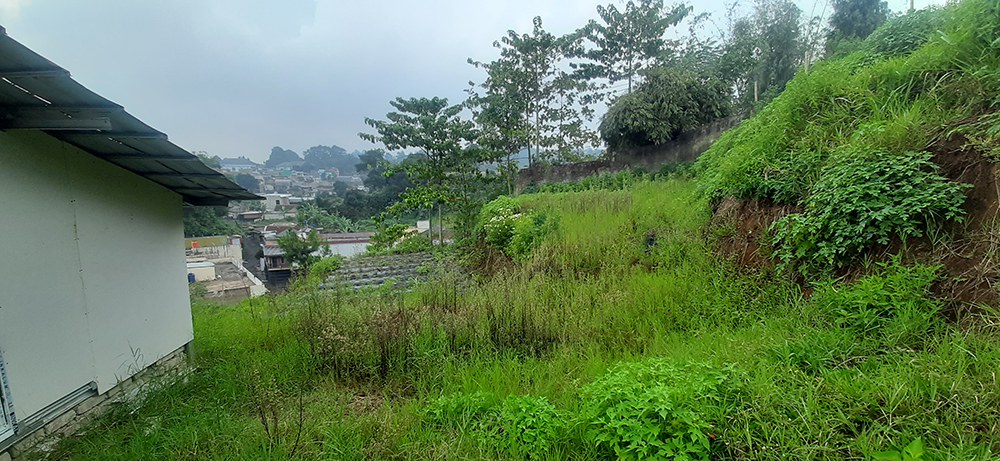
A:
403, 269
686, 148
43, 436
371, 271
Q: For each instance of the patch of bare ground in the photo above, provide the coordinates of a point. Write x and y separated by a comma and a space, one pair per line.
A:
739, 230
968, 252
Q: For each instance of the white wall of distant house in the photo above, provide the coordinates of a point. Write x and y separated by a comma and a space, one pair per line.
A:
92, 285
348, 249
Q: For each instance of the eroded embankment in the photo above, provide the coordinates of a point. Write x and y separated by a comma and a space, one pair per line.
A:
967, 251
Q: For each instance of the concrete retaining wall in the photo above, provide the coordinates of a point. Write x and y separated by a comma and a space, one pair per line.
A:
686, 148
372, 271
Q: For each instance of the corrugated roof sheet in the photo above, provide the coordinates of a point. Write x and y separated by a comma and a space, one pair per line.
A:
36, 94
273, 250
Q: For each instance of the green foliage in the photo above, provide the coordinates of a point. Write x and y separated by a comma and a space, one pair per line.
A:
866, 197
526, 426
628, 40
359, 375
324, 267
855, 19
413, 244
649, 409
460, 409
668, 102
279, 156
912, 452
248, 182
529, 102
516, 232
860, 102
448, 173
893, 307
903, 34
762, 52
386, 237
327, 157
301, 252
202, 221
312, 215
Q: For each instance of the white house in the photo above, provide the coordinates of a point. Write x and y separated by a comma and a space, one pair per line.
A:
92, 282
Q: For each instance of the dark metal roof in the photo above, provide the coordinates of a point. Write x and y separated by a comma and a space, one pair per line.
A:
36, 94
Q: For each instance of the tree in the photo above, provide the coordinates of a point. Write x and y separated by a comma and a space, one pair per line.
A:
855, 20
279, 156
448, 173
248, 182
373, 164
668, 102
762, 52
300, 251
629, 40
327, 157
207, 221
528, 101
210, 161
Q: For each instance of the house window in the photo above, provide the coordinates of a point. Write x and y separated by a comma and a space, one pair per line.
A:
7, 420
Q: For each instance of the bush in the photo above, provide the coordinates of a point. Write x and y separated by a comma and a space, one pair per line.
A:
526, 426
324, 267
902, 35
516, 232
649, 410
866, 197
386, 237
668, 102
892, 307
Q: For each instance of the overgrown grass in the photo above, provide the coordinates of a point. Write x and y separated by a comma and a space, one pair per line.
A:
541, 360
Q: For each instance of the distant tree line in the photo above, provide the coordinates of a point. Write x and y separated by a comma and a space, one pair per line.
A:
314, 158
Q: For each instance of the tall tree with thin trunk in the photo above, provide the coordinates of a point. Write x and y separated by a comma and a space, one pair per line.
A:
528, 101
625, 42
448, 173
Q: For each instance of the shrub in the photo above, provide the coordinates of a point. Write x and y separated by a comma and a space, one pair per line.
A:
865, 197
668, 102
459, 409
903, 34
326, 266
413, 244
516, 232
892, 308
386, 237
648, 410
527, 426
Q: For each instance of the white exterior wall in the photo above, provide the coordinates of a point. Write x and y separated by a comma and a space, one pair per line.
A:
93, 282
218, 253
348, 249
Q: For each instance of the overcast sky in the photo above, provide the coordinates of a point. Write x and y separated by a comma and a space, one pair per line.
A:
237, 77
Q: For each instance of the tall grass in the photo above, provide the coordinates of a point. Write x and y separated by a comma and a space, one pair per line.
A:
498, 369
